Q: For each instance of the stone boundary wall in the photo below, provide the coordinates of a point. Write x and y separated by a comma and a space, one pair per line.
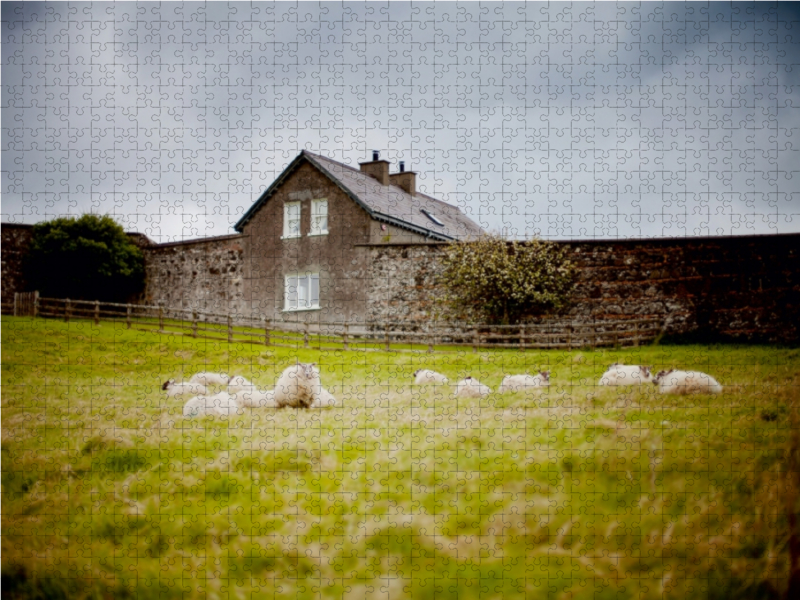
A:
744, 287
204, 274
15, 239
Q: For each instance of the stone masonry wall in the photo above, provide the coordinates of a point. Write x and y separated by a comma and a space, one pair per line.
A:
205, 274
745, 287
15, 240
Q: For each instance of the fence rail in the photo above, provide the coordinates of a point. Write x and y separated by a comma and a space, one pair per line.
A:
396, 336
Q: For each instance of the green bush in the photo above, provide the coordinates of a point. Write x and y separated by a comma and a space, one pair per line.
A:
497, 281
89, 258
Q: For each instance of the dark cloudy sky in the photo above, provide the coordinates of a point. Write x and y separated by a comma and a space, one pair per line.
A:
563, 120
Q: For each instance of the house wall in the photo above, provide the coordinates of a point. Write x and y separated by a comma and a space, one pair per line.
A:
745, 288
342, 266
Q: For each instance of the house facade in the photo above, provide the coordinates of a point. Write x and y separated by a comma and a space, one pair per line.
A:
306, 241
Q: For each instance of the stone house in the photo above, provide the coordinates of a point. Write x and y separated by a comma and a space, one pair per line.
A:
306, 240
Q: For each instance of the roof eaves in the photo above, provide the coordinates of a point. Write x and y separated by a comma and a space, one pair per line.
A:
416, 229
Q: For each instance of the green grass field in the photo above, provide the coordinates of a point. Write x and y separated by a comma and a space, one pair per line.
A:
401, 491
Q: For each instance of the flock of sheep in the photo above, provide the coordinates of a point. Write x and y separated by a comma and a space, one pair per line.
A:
299, 386
668, 382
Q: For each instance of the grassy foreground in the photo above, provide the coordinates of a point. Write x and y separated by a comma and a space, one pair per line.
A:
399, 492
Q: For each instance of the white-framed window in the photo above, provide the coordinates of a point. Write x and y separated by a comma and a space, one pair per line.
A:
301, 291
319, 217
291, 220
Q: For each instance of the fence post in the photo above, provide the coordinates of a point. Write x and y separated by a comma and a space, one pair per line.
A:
431, 338
476, 340
522, 337
36, 304
345, 341
160, 318
128, 316
569, 336
97, 312
266, 331
66, 311
16, 295
386, 336
230, 328
305, 334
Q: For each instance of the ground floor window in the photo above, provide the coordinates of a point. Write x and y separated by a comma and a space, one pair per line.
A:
302, 291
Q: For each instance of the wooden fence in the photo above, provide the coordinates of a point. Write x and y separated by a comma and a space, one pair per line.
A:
364, 336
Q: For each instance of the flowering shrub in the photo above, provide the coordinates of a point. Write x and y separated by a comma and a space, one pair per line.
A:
497, 281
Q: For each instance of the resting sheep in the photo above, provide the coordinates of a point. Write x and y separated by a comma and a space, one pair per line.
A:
240, 384
298, 386
207, 378
520, 383
221, 404
255, 398
471, 388
325, 399
178, 389
619, 374
686, 382
423, 376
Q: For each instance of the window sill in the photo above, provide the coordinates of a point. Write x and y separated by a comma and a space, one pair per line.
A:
302, 309
291, 237
321, 233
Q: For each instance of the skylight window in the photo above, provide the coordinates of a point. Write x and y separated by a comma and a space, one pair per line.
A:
432, 217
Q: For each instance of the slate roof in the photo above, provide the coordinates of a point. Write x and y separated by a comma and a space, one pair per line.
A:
390, 204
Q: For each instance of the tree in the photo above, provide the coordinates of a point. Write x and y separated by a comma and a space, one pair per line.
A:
500, 282
89, 258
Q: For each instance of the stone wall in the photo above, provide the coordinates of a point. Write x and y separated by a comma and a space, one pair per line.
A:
15, 240
204, 274
744, 287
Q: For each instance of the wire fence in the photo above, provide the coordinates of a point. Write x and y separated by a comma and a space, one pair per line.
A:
394, 336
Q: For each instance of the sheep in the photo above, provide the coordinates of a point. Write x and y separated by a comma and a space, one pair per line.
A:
178, 389
324, 400
207, 378
221, 404
619, 374
239, 383
298, 386
471, 388
423, 376
255, 398
519, 383
686, 382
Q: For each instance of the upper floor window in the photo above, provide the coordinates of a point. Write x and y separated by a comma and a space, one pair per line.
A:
291, 220
319, 217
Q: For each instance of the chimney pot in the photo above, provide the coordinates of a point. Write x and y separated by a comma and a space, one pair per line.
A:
402, 166
375, 155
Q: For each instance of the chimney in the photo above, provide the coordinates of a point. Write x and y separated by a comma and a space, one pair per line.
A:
406, 180
377, 169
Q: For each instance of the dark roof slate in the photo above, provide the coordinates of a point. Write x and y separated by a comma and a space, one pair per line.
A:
388, 203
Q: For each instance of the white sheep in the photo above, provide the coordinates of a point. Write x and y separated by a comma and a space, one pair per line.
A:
520, 383
207, 378
619, 374
240, 384
471, 388
178, 389
255, 398
325, 399
221, 404
423, 376
686, 382
298, 386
